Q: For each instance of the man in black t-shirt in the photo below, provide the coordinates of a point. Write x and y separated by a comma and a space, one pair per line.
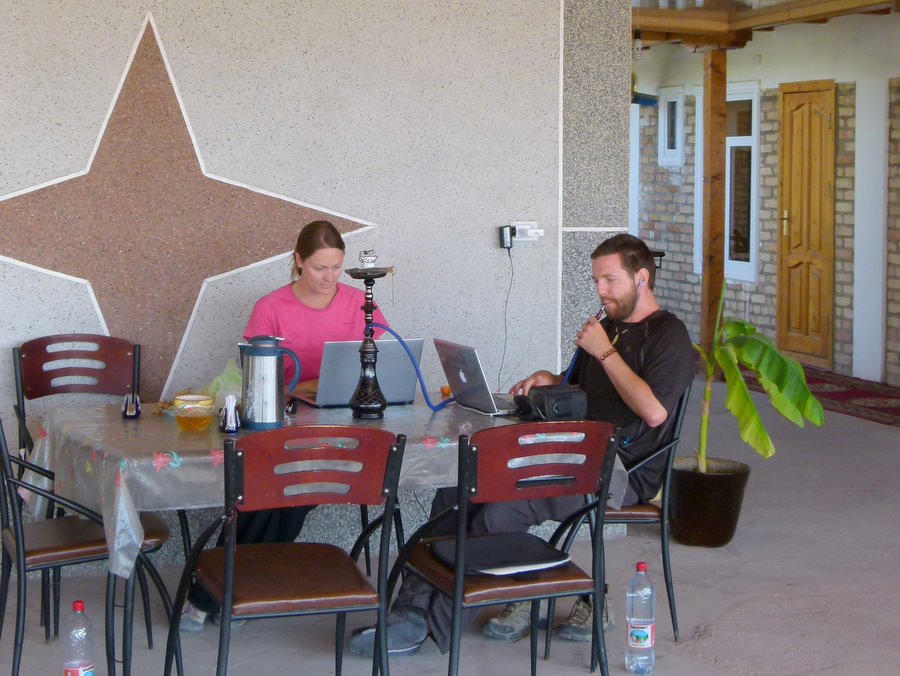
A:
634, 365
658, 350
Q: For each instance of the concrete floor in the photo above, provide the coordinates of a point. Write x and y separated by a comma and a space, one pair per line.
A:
808, 585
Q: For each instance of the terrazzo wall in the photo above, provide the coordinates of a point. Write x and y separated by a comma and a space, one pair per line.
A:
159, 158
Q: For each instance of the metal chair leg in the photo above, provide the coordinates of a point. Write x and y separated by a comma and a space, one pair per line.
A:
364, 522
20, 623
109, 626
667, 572
128, 622
185, 533
145, 599
5, 574
56, 586
339, 627
46, 619
535, 621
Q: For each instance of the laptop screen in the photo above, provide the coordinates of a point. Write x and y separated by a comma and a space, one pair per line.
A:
339, 373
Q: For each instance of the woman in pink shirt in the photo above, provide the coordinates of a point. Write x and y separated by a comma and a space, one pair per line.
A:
313, 308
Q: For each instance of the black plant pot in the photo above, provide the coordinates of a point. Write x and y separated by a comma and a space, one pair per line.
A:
704, 508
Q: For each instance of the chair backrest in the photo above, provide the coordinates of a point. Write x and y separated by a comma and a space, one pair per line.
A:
680, 408
312, 465
531, 460
672, 444
73, 362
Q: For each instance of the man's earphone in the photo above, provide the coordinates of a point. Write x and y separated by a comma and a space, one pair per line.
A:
640, 282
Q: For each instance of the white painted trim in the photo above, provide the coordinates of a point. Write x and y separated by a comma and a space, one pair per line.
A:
68, 278
559, 187
870, 227
736, 270
745, 272
698, 180
670, 157
634, 169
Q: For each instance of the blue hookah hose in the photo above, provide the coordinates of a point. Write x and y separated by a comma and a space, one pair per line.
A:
412, 359
571, 366
599, 316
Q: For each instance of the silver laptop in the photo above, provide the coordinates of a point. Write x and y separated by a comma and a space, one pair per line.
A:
467, 382
339, 373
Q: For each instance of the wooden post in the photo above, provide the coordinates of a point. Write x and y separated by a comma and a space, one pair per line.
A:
714, 118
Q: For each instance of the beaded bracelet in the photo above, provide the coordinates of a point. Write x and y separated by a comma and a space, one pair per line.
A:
606, 354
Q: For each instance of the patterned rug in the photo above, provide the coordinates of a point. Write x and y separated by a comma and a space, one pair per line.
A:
854, 396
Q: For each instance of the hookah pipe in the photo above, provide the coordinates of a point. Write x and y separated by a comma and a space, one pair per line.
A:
599, 316
368, 400
412, 359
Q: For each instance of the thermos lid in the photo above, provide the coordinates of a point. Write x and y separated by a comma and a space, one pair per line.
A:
263, 341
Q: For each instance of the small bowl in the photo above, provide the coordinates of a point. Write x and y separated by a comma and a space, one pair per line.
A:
194, 412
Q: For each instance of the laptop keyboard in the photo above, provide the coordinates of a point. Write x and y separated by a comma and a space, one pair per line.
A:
504, 401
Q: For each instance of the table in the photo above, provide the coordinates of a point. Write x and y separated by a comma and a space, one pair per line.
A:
121, 467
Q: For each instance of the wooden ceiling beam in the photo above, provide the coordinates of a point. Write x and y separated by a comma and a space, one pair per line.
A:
704, 43
799, 11
673, 25
698, 21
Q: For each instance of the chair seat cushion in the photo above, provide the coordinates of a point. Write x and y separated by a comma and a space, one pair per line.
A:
54, 540
275, 578
649, 512
561, 580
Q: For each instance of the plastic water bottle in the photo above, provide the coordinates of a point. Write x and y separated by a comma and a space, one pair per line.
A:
639, 617
78, 650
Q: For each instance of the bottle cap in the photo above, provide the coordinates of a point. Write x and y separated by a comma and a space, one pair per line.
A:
77, 606
641, 566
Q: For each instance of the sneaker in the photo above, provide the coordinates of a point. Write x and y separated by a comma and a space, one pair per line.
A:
235, 622
579, 625
192, 618
514, 621
404, 637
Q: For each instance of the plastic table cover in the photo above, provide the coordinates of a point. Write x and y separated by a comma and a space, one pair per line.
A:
121, 466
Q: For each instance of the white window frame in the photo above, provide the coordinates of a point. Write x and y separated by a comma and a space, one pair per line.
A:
670, 157
744, 271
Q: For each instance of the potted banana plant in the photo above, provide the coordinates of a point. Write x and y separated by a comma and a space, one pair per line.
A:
707, 492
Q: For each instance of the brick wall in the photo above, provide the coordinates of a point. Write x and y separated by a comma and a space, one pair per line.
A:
844, 224
666, 221
892, 351
666, 217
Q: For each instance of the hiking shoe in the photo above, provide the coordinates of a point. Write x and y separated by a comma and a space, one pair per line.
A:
579, 625
404, 637
513, 622
192, 618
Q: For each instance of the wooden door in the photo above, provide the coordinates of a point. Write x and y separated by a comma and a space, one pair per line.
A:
805, 287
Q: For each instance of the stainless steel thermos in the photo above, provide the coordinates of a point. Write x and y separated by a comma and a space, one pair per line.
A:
262, 386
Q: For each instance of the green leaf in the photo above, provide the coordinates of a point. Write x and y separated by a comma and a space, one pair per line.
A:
781, 377
740, 403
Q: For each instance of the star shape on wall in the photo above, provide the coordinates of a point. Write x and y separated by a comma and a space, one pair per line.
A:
144, 225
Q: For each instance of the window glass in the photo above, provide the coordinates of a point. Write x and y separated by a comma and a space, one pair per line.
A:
672, 125
740, 193
741, 183
739, 121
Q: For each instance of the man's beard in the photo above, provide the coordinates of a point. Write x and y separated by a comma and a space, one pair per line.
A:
624, 306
